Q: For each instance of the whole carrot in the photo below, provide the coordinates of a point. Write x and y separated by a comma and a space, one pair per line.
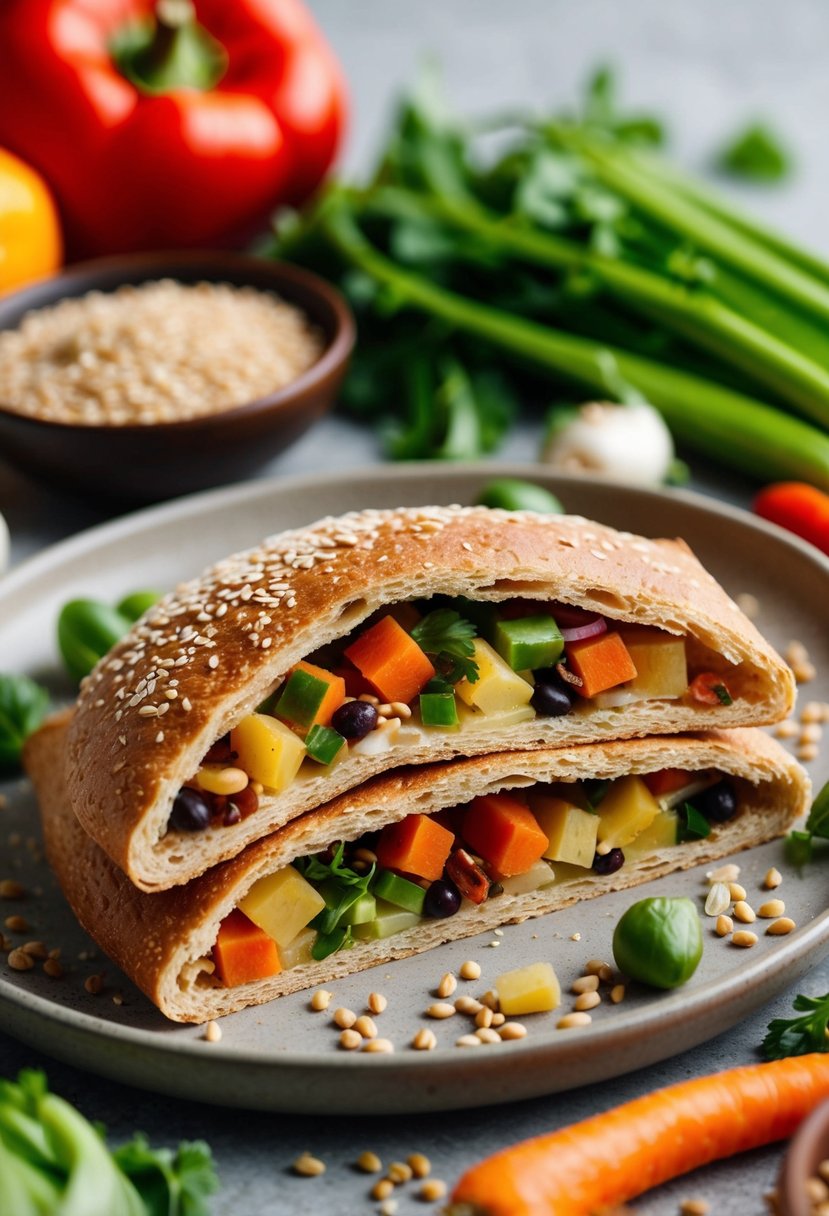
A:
610, 1158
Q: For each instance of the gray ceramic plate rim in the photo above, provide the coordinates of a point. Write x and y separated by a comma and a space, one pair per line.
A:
35, 1019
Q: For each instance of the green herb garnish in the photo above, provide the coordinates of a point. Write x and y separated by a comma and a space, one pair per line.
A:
799, 1036
341, 887
799, 842
448, 638
723, 695
798, 848
756, 154
691, 824
23, 706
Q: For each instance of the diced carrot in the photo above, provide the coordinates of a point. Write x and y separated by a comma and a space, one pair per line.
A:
667, 780
505, 833
244, 952
416, 845
391, 661
333, 698
600, 663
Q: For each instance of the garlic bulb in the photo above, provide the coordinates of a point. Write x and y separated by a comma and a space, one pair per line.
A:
627, 442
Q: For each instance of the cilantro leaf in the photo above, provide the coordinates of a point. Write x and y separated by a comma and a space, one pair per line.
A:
446, 636
798, 846
170, 1183
818, 822
799, 1036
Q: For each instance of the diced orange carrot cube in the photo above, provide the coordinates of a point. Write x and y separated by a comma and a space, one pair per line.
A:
416, 845
391, 661
243, 952
600, 663
504, 832
667, 781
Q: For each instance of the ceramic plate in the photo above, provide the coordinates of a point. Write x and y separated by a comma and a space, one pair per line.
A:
282, 1056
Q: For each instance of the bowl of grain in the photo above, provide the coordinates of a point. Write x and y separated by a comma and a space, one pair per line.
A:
145, 377
803, 1185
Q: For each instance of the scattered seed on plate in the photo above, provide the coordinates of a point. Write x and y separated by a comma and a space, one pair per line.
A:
399, 1172
587, 1000
17, 924
344, 1018
467, 1004
771, 909
382, 1188
514, 1030
365, 1026
19, 960
736, 891
212, 1032
787, 729
575, 937
377, 1003
807, 752
694, 1207
498, 1019
388, 1207
470, 970
724, 926
420, 1164
93, 984
569, 1022
447, 985
596, 966
321, 1000
425, 1040
10, 888
432, 1190
53, 968
490, 999
729, 872
350, 1039
369, 1163
779, 928
718, 899
441, 1009
773, 879
744, 912
468, 1040
744, 938
308, 1166
617, 994
379, 1046
585, 983
487, 1035
38, 950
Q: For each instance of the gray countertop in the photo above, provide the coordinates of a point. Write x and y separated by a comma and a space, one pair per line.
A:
707, 66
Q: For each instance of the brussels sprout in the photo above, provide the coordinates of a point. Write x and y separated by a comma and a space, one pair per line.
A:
659, 941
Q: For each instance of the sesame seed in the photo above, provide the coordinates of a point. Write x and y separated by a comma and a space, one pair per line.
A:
213, 661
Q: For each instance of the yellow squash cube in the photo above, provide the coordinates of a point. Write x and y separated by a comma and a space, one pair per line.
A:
660, 834
627, 809
572, 832
268, 750
533, 989
299, 950
498, 687
659, 659
282, 904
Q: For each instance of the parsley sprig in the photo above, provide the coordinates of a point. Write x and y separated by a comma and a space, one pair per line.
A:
799, 842
341, 888
799, 1036
448, 638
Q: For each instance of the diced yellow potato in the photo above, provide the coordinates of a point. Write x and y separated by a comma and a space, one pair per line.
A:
572, 832
498, 687
533, 989
659, 659
299, 951
661, 834
539, 875
268, 750
627, 809
281, 904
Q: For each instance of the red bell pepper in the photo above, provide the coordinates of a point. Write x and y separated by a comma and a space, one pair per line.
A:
168, 123
801, 508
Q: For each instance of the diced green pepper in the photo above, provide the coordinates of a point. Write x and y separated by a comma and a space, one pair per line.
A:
399, 891
388, 921
301, 698
361, 911
324, 744
438, 709
529, 642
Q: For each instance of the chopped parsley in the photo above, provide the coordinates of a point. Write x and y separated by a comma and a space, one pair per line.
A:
723, 695
449, 639
799, 1036
340, 887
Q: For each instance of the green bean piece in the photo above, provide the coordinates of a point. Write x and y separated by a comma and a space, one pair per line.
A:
659, 941
87, 630
512, 494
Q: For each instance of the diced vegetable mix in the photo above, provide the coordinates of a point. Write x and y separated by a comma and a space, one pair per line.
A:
429, 866
440, 665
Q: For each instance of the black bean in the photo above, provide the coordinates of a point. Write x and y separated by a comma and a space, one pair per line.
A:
718, 803
608, 863
442, 899
355, 719
550, 700
192, 811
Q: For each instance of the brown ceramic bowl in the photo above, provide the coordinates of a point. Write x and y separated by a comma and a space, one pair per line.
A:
163, 460
809, 1146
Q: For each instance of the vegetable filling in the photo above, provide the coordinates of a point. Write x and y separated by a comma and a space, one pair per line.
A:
438, 665
430, 866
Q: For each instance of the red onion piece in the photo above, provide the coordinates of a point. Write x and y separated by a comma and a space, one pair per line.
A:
590, 629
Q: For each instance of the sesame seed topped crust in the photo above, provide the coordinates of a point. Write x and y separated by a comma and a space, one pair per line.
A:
162, 940
211, 651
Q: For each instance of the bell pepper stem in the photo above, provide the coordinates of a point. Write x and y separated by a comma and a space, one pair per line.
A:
170, 51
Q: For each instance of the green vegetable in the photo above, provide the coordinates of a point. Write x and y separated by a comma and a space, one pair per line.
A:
480, 281
799, 1036
529, 642
691, 824
799, 842
87, 630
135, 604
659, 941
55, 1163
23, 706
399, 891
439, 708
446, 636
512, 494
798, 848
756, 154
324, 744
301, 697
341, 888
390, 919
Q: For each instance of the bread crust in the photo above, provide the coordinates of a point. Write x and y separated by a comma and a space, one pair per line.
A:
212, 650
157, 939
